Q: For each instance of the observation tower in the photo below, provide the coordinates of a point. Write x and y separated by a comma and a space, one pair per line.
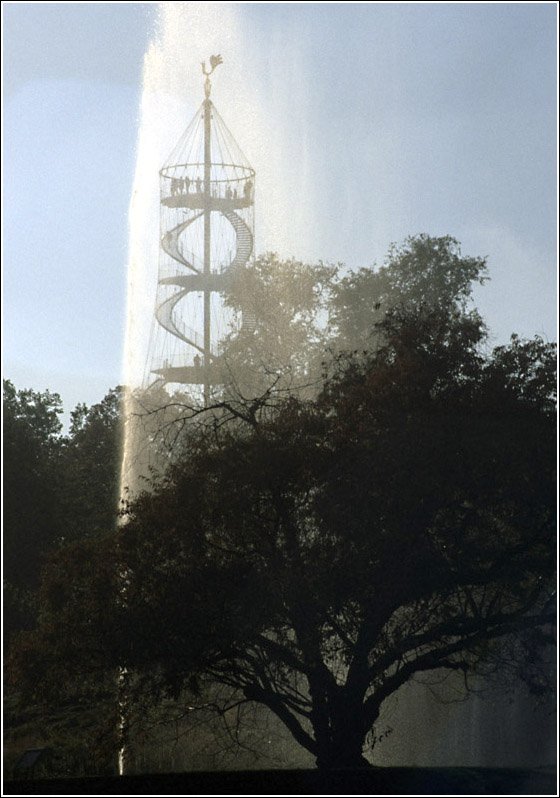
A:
207, 231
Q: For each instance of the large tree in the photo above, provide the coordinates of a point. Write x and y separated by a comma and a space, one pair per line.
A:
313, 555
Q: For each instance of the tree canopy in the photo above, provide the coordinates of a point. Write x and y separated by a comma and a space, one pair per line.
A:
60, 488
57, 487
91, 462
31, 513
311, 553
288, 302
423, 272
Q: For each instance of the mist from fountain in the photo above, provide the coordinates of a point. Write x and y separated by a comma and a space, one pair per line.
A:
252, 103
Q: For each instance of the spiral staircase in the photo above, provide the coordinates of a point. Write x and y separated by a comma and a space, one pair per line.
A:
206, 183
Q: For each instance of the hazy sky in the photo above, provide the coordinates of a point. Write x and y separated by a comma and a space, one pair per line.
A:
388, 120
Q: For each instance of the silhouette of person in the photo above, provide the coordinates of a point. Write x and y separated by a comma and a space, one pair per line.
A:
197, 361
234, 193
198, 185
248, 189
186, 185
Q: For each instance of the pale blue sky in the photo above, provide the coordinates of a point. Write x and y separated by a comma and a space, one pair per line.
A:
437, 118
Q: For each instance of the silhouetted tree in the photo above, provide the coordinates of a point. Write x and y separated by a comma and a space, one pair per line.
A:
90, 468
295, 317
58, 489
424, 272
314, 555
310, 551
31, 513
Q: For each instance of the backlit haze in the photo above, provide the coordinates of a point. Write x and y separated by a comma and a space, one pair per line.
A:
365, 123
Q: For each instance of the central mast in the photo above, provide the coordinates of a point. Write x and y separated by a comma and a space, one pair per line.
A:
207, 227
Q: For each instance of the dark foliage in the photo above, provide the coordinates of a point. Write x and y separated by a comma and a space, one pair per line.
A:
313, 553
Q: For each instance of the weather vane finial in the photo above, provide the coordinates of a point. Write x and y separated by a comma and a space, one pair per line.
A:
215, 60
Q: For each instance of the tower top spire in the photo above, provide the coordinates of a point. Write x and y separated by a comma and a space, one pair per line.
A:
215, 60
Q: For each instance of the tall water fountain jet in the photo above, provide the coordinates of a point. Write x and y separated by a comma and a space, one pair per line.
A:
204, 235
186, 33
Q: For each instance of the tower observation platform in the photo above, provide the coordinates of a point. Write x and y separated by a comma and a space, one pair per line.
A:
207, 235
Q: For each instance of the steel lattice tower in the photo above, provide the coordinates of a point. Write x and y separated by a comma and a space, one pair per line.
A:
206, 186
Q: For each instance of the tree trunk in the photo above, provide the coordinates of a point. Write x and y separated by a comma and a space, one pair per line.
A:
342, 745
344, 751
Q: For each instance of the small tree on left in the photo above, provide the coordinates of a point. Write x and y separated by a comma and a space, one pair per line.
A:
58, 489
32, 448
